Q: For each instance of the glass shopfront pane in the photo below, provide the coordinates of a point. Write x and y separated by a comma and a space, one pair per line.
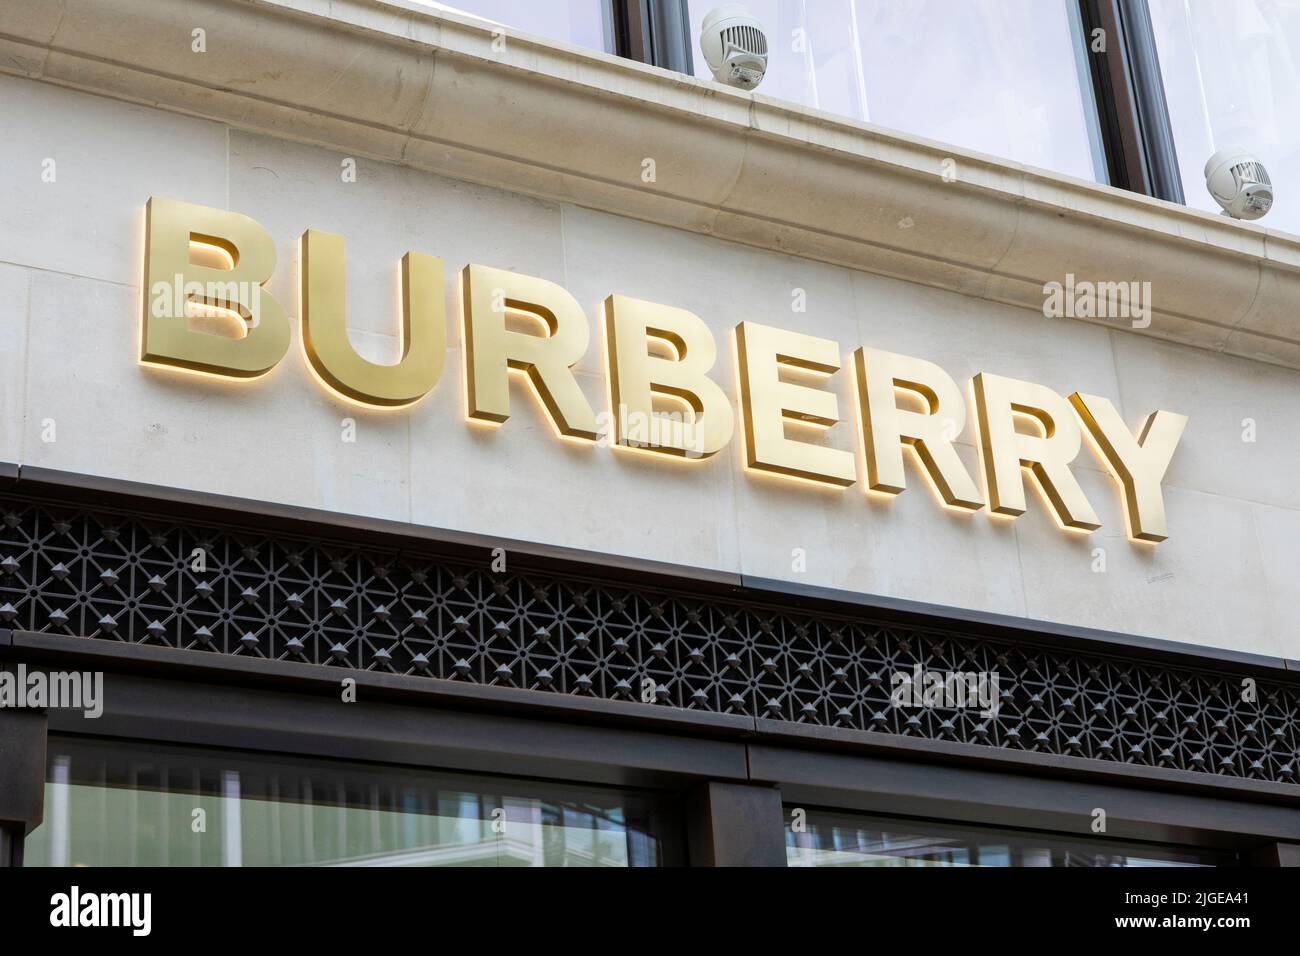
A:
584, 23
1005, 77
845, 839
1231, 72
115, 804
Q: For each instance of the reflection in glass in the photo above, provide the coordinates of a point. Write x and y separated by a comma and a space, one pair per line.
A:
114, 805
1231, 70
583, 23
1005, 77
842, 839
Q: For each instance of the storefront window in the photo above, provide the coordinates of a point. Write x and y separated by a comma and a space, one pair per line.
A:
1231, 72
842, 839
109, 804
584, 23
1005, 77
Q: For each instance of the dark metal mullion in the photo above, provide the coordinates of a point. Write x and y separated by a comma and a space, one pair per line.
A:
1130, 98
23, 734
1160, 156
655, 32
1114, 95
631, 29
11, 845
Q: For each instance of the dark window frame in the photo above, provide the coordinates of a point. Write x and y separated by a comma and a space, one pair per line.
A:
656, 32
1130, 95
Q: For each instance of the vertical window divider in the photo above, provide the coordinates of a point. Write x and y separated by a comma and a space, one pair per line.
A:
1130, 96
1161, 157
657, 32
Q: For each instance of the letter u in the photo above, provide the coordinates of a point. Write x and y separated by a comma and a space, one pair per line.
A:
325, 334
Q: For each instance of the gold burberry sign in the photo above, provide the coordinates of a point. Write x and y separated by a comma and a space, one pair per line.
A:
205, 268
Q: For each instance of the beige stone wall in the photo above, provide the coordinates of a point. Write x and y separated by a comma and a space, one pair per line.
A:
69, 305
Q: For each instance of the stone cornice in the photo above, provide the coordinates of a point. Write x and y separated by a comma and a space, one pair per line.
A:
398, 82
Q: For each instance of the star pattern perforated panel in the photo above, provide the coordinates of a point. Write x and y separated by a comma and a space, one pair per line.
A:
106, 575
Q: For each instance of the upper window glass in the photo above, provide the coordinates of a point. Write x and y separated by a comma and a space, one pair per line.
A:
1004, 77
1231, 72
583, 23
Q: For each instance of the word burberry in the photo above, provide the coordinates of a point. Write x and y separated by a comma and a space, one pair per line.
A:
203, 264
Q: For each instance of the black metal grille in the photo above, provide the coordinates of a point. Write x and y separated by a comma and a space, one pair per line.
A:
108, 575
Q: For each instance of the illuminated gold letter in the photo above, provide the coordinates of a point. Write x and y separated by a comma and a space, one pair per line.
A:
1138, 465
769, 404
636, 377
178, 291
325, 333
492, 349
886, 427
998, 400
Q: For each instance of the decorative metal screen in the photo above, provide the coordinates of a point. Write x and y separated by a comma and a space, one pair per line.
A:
107, 575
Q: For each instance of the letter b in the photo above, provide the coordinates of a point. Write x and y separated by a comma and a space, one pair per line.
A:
175, 233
